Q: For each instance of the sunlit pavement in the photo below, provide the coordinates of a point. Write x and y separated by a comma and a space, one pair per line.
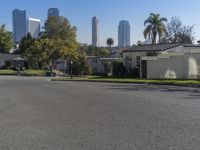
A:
36, 113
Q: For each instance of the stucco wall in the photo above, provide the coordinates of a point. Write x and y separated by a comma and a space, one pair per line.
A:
97, 65
133, 56
185, 65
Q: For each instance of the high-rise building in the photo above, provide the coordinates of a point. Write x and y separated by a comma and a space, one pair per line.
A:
95, 31
19, 25
124, 34
33, 27
53, 12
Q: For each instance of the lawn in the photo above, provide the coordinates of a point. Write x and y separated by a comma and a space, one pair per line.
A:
34, 72
8, 72
130, 80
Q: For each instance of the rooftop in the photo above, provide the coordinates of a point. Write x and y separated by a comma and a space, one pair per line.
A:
150, 47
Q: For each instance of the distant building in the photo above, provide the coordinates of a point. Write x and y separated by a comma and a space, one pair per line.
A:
19, 25
124, 34
95, 31
33, 27
53, 12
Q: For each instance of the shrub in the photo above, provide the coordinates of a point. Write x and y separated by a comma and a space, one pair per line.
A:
119, 70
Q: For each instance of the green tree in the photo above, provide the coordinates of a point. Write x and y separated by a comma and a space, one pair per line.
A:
37, 55
119, 70
97, 51
6, 42
81, 65
25, 43
154, 27
110, 42
60, 39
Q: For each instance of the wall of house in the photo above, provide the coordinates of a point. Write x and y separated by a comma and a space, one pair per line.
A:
133, 56
2, 63
97, 65
172, 66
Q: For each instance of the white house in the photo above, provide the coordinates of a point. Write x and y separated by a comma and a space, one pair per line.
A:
132, 55
8, 60
182, 62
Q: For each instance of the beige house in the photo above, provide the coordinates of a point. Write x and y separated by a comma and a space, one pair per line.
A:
181, 62
132, 55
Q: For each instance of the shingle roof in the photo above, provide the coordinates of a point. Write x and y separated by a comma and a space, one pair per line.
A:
9, 56
150, 47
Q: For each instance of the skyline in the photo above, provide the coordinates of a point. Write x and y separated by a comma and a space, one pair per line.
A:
109, 12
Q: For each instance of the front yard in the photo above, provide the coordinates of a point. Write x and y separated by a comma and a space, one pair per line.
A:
26, 72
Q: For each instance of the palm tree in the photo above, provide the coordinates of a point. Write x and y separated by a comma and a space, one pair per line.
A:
110, 42
154, 27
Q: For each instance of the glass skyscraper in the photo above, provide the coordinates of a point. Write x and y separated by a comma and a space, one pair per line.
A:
33, 27
95, 31
124, 34
53, 12
19, 25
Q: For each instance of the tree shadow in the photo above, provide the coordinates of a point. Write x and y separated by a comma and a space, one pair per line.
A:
193, 93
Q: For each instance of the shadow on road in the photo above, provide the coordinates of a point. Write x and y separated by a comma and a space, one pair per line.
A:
193, 93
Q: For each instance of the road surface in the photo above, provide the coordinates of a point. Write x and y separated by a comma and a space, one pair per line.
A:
37, 114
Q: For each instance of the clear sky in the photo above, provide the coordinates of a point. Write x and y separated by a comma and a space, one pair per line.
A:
110, 12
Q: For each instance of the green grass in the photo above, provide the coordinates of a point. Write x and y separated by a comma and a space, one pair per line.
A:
130, 80
8, 72
34, 72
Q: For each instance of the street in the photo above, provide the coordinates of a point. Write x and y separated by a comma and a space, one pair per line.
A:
38, 114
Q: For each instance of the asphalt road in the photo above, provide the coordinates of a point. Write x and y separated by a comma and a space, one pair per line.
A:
36, 114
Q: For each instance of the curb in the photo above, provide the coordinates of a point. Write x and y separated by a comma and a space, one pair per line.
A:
168, 84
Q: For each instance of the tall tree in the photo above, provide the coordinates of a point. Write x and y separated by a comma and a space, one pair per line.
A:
25, 43
82, 66
61, 37
6, 42
110, 42
97, 51
179, 33
154, 27
36, 54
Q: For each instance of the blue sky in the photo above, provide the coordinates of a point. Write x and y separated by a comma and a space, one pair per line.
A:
110, 12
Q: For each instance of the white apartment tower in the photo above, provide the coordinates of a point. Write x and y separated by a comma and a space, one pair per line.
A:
124, 34
95, 31
33, 27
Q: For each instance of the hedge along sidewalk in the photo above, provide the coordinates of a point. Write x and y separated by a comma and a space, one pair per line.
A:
178, 82
8, 72
25, 72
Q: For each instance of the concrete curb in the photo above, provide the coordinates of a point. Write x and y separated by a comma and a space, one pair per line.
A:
169, 84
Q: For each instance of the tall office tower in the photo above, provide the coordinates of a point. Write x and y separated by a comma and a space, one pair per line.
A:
19, 25
33, 27
124, 34
95, 31
53, 12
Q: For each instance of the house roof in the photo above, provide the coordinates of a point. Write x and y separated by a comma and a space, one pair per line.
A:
150, 47
9, 56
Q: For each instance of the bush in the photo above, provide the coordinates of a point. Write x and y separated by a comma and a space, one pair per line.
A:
134, 72
119, 70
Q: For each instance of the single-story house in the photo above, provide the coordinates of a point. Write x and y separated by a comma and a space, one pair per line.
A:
98, 64
11, 60
132, 55
182, 62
